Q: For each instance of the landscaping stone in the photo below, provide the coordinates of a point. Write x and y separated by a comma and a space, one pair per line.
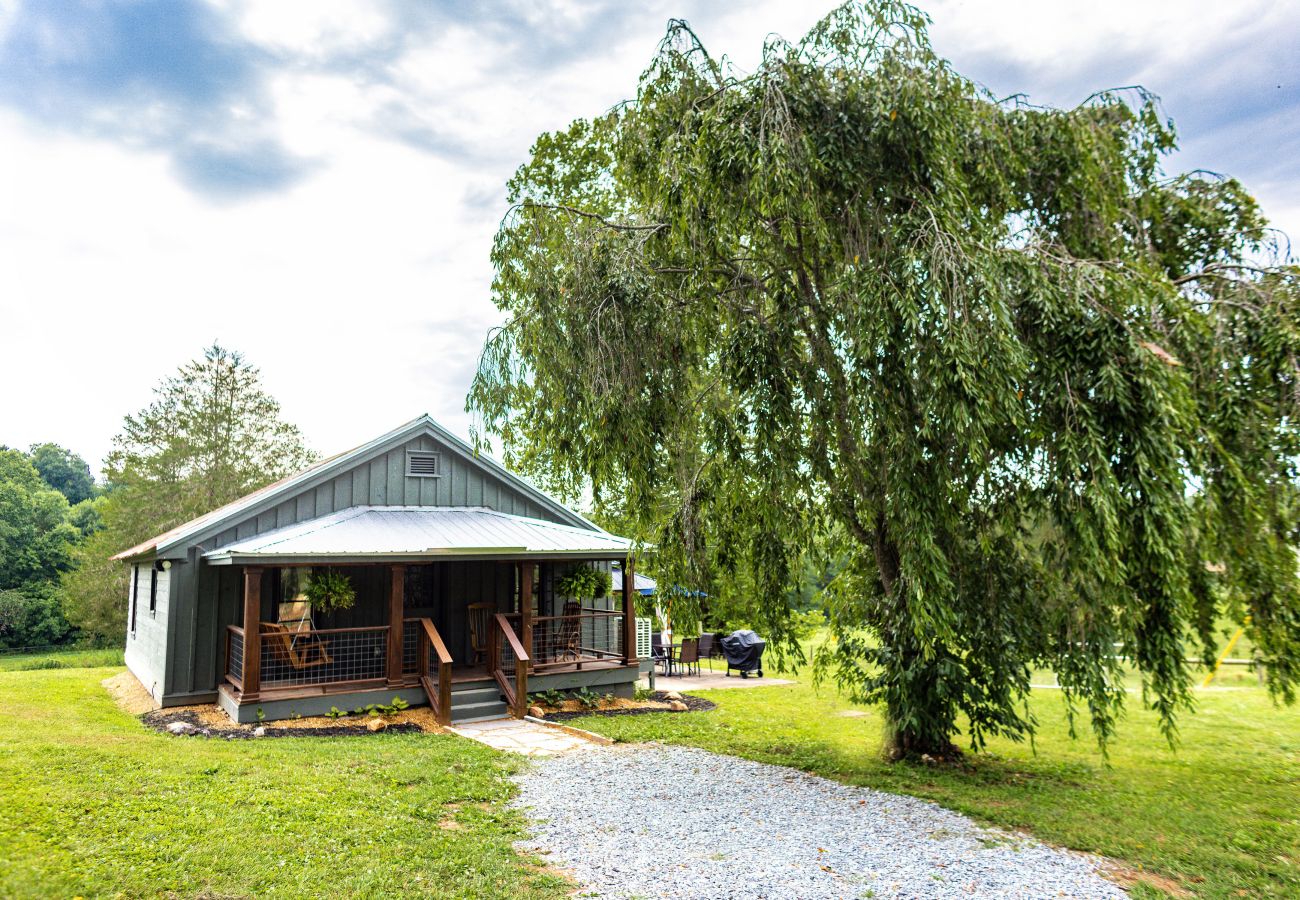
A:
693, 704
677, 706
772, 832
181, 728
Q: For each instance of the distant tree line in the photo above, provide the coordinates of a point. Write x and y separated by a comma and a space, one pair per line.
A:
211, 435
49, 506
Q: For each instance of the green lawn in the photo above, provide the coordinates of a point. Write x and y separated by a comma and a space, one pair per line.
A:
1220, 816
92, 804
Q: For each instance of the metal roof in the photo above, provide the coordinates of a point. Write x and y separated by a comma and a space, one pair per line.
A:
420, 532
330, 466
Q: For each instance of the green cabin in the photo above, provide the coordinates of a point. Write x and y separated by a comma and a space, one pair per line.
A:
451, 566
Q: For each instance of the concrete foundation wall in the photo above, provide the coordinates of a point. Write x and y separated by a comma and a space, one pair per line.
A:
318, 705
620, 682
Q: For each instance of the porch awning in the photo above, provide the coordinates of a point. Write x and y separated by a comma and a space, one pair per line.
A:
645, 585
409, 533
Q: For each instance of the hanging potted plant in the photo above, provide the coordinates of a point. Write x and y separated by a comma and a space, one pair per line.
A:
328, 591
584, 583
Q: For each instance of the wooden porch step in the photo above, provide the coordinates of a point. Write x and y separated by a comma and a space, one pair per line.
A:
473, 701
477, 712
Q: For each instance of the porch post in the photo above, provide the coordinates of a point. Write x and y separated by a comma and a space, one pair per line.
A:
252, 674
629, 612
396, 608
526, 606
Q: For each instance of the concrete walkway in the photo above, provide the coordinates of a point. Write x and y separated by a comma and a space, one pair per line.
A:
523, 737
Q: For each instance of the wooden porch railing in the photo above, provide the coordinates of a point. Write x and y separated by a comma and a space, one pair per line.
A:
509, 660
341, 658
235, 656
434, 665
589, 636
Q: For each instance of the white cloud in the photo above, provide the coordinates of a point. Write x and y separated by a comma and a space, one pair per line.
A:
362, 290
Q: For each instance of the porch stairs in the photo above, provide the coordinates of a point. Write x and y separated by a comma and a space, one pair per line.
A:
475, 701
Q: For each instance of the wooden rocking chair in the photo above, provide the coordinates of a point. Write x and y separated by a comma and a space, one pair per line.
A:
480, 615
299, 650
568, 637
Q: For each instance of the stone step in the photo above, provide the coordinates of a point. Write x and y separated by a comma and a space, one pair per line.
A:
474, 712
477, 695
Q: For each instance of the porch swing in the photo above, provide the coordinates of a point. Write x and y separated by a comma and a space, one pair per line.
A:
296, 647
294, 639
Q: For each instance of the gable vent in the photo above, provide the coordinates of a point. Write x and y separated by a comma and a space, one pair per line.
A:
422, 464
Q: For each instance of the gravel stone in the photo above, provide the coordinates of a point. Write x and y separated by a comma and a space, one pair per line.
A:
657, 821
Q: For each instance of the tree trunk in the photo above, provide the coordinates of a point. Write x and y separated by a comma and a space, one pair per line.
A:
920, 716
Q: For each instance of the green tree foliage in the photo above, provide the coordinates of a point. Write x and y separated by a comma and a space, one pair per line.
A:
1040, 393
88, 515
37, 543
32, 617
36, 540
211, 435
64, 471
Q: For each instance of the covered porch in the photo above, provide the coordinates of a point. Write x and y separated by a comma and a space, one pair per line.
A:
456, 626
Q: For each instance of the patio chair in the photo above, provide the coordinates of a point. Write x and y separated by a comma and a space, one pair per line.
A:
659, 653
689, 656
479, 614
708, 646
568, 635
301, 650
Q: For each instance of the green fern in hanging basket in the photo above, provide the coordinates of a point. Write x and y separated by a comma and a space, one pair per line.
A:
584, 583
328, 591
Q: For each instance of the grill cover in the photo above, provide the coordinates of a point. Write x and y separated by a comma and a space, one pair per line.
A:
744, 650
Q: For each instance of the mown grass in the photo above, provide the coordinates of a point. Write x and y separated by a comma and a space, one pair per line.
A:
1219, 816
94, 805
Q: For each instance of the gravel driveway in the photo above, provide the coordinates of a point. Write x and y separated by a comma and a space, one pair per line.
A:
656, 821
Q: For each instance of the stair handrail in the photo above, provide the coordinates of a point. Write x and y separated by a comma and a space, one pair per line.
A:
441, 702
517, 694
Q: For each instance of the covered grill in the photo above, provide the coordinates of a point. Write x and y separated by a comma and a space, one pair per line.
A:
744, 652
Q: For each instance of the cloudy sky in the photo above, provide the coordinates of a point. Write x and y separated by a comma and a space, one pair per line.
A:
317, 183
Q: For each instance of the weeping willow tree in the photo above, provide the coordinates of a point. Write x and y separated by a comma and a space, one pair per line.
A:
1039, 393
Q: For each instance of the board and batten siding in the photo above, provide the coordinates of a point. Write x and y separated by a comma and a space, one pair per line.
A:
383, 481
213, 593
146, 644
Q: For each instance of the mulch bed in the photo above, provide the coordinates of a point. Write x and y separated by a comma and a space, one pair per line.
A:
158, 720
693, 704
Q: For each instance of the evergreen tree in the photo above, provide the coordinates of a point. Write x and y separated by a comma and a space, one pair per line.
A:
211, 435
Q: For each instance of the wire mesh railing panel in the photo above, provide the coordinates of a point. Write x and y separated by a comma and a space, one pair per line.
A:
585, 636
506, 659
235, 654
411, 637
324, 657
